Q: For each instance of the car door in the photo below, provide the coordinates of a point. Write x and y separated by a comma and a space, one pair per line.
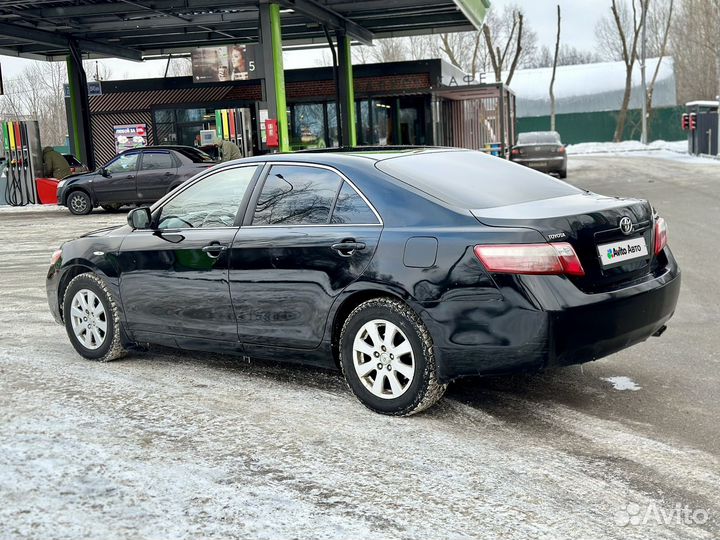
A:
174, 277
299, 247
115, 182
157, 172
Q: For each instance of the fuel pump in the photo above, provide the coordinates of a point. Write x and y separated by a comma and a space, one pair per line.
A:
23, 161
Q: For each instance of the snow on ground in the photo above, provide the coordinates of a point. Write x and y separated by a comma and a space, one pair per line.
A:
183, 445
672, 150
622, 383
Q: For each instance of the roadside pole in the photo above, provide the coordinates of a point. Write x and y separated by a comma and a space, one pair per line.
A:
644, 134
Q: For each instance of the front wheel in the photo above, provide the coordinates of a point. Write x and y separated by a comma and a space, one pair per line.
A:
387, 358
91, 319
79, 203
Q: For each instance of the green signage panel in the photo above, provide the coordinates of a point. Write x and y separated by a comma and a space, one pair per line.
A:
474, 10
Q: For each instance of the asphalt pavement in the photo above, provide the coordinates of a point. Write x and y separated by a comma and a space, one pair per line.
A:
175, 444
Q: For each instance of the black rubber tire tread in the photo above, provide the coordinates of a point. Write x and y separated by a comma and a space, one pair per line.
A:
430, 390
112, 349
112, 208
563, 173
89, 203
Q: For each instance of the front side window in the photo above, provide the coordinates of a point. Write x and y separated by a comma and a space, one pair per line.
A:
296, 195
122, 164
153, 161
214, 201
351, 209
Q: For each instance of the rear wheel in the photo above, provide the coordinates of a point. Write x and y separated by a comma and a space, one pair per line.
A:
79, 203
387, 358
112, 208
91, 319
562, 173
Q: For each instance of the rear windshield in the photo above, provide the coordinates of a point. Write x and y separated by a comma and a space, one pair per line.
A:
539, 137
474, 180
195, 155
72, 161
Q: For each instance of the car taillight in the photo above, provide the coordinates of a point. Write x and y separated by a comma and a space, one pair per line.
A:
55, 256
661, 234
561, 150
555, 258
516, 152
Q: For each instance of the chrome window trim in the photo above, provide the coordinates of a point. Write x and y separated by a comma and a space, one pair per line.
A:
343, 177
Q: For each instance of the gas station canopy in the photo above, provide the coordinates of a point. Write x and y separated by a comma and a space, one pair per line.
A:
134, 30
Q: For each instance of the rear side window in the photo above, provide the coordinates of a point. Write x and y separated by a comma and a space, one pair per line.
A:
153, 161
350, 208
195, 155
72, 161
474, 180
296, 195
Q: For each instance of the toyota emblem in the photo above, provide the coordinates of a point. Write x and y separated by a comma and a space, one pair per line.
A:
626, 225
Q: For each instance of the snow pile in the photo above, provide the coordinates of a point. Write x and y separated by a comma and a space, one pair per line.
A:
590, 87
671, 150
680, 147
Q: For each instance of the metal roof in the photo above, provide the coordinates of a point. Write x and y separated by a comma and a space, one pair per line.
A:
136, 29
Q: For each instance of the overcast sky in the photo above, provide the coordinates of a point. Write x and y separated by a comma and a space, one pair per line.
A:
579, 18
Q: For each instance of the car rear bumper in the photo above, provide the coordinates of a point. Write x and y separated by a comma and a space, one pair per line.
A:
549, 164
560, 329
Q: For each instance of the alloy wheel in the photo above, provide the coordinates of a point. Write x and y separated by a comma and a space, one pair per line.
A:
78, 203
383, 359
89, 319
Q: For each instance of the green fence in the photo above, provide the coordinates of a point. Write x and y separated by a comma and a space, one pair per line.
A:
600, 126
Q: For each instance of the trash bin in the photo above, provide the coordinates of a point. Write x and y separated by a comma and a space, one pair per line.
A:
47, 190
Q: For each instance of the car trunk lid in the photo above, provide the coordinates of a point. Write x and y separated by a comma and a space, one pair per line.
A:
589, 222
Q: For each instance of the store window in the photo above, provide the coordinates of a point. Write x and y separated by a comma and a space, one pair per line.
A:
308, 126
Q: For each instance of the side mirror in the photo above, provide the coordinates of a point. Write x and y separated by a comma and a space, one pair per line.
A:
103, 172
139, 218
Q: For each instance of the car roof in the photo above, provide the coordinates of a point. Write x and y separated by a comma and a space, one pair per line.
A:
161, 147
346, 156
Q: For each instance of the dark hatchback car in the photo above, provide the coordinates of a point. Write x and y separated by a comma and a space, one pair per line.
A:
542, 151
407, 269
137, 176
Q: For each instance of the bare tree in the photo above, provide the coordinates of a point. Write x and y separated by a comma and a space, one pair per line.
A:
180, 67
554, 67
627, 26
567, 56
695, 47
505, 48
97, 70
37, 94
659, 21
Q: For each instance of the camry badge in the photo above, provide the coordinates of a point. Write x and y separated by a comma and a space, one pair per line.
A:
626, 225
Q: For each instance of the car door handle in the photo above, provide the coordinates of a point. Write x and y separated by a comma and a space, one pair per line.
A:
214, 250
348, 247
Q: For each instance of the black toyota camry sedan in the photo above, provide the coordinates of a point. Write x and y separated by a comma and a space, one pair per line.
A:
404, 268
137, 176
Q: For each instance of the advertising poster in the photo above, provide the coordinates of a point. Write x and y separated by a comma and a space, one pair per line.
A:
130, 136
225, 63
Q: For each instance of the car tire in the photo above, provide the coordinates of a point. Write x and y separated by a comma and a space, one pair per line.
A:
408, 380
562, 173
91, 318
79, 203
111, 208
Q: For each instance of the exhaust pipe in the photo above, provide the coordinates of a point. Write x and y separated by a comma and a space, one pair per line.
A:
660, 331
